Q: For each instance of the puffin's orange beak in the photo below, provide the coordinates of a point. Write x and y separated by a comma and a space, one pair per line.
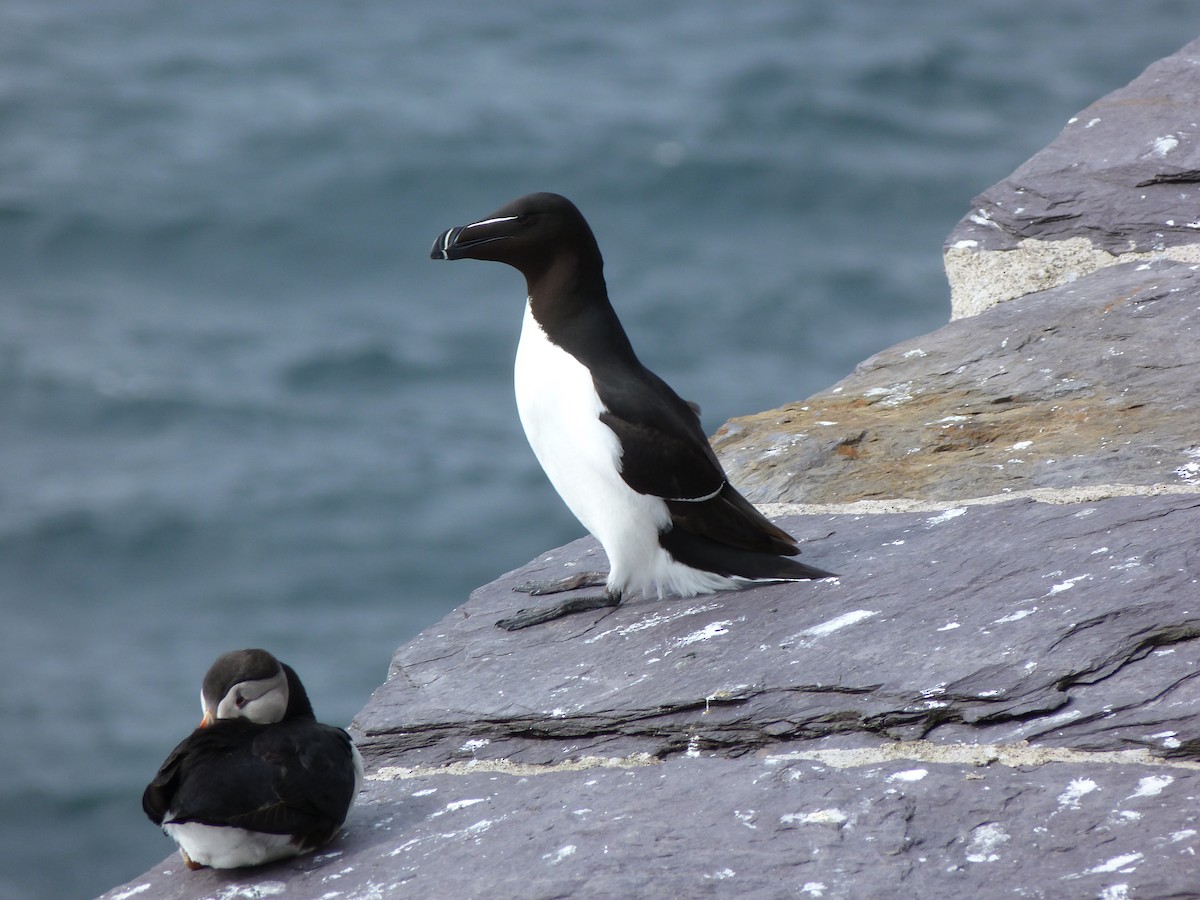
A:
208, 719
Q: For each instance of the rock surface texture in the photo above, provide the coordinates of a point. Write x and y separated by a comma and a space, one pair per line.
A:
1089, 384
1120, 183
999, 697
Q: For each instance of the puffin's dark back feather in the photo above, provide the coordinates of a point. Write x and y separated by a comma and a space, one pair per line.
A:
294, 777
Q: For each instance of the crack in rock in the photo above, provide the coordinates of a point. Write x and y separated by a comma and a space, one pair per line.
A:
733, 725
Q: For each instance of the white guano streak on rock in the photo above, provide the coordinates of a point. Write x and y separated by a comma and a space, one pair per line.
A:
560, 854
892, 395
1066, 585
1011, 755
456, 805
839, 622
985, 841
505, 767
945, 516
1164, 145
253, 891
909, 775
1077, 789
1151, 786
1054, 496
831, 816
806, 637
653, 621
713, 629
1115, 864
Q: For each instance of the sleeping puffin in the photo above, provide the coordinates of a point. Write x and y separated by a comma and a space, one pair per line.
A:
261, 779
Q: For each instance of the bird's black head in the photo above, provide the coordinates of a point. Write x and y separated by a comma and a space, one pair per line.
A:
252, 684
533, 234
237, 666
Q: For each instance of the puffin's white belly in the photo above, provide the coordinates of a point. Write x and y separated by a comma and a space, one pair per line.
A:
222, 847
560, 412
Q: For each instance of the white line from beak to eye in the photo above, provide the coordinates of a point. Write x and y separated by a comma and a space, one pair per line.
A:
492, 221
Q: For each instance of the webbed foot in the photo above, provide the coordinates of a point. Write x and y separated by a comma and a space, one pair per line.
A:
523, 618
538, 586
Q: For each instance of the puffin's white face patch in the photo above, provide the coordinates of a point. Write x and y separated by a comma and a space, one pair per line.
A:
263, 701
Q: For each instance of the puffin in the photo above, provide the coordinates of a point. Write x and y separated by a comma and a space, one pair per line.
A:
260, 779
625, 452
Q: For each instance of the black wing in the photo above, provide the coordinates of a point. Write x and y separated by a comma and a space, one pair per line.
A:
160, 792
314, 780
666, 454
287, 778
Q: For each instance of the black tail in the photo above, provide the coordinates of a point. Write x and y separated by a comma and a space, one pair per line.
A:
704, 553
727, 535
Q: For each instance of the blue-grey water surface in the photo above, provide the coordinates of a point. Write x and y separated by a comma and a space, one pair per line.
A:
239, 406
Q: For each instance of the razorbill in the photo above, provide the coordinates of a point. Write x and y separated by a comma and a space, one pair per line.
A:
261, 779
624, 451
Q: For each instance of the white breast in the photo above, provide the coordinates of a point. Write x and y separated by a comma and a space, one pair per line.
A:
560, 412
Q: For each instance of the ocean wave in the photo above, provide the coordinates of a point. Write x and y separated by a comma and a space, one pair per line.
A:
84, 542
356, 369
45, 403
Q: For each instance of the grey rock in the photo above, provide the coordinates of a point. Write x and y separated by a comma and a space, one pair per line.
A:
904, 724
986, 618
1090, 383
1123, 172
1121, 182
775, 826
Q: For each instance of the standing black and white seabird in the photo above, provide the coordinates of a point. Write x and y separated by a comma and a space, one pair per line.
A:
261, 779
626, 454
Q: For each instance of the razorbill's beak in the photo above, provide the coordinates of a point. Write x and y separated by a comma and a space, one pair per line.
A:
460, 243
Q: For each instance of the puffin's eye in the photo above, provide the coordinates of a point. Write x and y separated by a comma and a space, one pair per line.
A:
240, 701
